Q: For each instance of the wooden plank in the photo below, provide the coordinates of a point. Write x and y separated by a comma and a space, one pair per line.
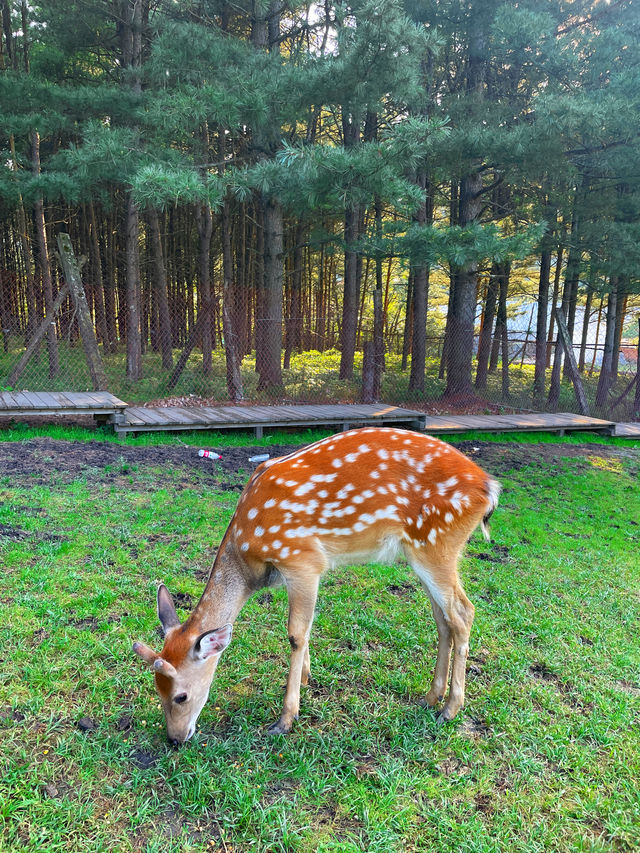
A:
79, 399
628, 430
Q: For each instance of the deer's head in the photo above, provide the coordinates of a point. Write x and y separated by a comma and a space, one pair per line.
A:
184, 668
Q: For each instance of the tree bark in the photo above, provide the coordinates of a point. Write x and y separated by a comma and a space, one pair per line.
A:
271, 339
486, 332
420, 295
43, 257
460, 344
541, 324
160, 289
134, 339
352, 268
606, 373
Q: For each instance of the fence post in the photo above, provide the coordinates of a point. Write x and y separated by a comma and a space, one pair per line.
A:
71, 269
572, 364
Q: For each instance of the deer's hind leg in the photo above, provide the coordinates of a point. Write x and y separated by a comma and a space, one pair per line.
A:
453, 613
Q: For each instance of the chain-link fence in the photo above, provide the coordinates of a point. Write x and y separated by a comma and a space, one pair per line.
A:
168, 337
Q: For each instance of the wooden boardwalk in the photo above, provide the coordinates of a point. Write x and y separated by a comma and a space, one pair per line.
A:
136, 419
558, 422
30, 403
631, 430
107, 408
344, 416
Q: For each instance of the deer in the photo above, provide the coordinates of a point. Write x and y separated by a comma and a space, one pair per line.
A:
362, 496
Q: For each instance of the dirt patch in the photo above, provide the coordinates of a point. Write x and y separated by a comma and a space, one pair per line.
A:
48, 460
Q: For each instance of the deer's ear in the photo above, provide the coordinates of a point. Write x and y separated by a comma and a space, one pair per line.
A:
212, 642
166, 611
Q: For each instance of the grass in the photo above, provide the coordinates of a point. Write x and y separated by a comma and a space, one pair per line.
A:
544, 757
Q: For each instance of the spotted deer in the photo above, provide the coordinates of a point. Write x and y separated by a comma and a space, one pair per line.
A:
365, 495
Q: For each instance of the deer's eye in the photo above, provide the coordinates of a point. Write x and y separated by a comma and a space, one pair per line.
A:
182, 697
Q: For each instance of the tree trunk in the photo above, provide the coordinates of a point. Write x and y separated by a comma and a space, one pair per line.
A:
585, 331
420, 295
204, 220
606, 371
231, 342
134, 341
98, 283
271, 338
293, 339
160, 289
460, 344
43, 257
486, 332
541, 325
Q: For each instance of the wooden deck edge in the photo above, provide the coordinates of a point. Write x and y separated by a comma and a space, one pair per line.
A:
346, 423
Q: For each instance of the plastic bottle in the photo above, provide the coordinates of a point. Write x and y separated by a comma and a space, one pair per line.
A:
209, 454
262, 457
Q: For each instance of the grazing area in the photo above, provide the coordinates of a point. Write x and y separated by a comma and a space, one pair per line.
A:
545, 755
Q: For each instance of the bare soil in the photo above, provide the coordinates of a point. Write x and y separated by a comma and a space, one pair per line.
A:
46, 460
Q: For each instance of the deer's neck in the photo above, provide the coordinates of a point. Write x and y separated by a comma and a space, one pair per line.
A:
224, 596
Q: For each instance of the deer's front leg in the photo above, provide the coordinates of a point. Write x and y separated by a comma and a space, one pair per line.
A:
302, 601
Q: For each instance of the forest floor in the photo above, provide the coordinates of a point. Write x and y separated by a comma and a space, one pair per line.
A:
545, 756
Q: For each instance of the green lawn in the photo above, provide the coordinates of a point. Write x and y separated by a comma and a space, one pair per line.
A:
545, 756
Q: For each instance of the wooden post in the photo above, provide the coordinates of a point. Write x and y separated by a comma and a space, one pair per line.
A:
71, 269
39, 334
572, 364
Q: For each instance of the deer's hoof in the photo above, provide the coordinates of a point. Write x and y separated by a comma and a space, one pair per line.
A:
279, 728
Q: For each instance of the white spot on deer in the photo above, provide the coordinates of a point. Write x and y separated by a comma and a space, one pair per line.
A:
403, 501
364, 448
351, 457
303, 489
383, 466
284, 553
274, 528
337, 463
244, 546
324, 478
419, 522
265, 548
427, 493
382, 453
268, 504
252, 513
344, 491
382, 490
458, 499
407, 441
432, 536
357, 499
358, 527
448, 484
276, 543
448, 518
403, 485
291, 483
323, 493
368, 494
295, 551
375, 475
259, 531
